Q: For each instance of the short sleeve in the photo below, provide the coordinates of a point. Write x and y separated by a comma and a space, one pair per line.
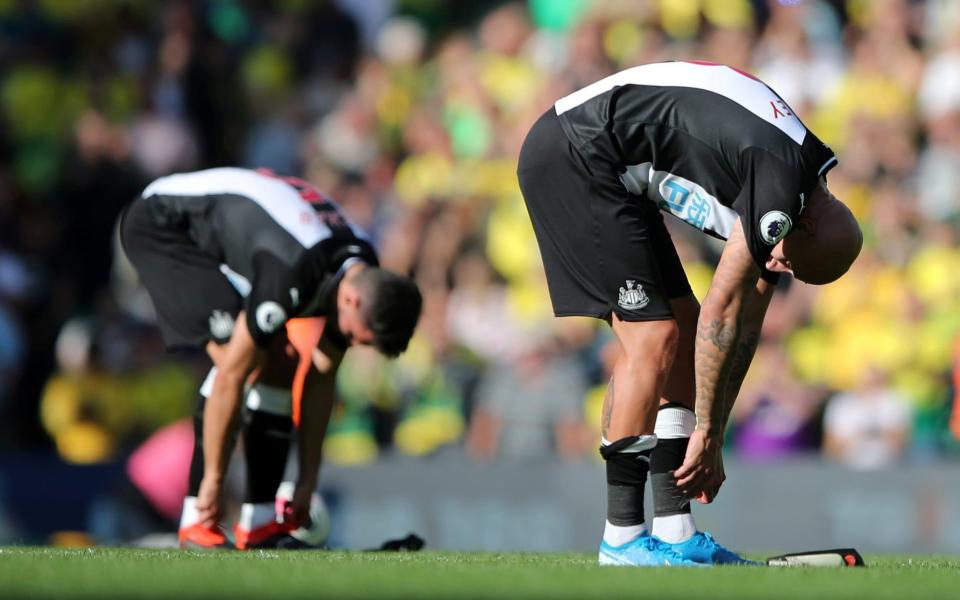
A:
770, 200
272, 298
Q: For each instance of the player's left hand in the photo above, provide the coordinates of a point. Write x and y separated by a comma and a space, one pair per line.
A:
701, 474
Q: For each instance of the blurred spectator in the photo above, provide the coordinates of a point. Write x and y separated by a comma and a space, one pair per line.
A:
955, 404
530, 407
98, 180
774, 415
479, 317
113, 386
15, 282
869, 427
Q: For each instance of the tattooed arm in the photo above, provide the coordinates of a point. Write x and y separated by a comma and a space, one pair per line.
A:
716, 353
719, 331
755, 307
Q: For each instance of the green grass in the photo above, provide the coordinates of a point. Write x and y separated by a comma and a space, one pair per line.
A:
128, 573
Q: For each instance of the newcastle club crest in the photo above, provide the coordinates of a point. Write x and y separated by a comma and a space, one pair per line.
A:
633, 297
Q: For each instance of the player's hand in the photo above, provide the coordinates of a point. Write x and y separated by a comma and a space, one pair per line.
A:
297, 510
701, 474
208, 502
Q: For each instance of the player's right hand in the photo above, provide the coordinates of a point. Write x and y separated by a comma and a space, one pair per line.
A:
701, 474
296, 511
208, 502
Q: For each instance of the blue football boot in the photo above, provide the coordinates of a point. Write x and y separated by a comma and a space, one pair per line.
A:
703, 549
645, 551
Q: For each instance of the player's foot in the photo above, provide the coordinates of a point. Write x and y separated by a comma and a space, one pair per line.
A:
200, 537
703, 549
272, 535
645, 551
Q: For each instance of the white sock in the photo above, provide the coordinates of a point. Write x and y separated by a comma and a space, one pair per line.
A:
256, 515
674, 422
189, 515
674, 529
616, 535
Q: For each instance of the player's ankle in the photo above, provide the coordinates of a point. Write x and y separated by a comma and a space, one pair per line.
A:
674, 529
618, 535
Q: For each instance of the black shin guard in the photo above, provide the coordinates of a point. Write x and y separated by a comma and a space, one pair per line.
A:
626, 476
665, 458
266, 444
196, 462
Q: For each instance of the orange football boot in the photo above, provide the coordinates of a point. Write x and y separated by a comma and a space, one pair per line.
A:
272, 535
200, 537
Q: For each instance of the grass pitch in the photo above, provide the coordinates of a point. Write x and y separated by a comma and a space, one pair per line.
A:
133, 573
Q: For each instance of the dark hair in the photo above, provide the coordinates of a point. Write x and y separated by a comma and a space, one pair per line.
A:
391, 308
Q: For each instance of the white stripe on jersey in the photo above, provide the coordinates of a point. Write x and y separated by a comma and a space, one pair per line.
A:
280, 200
682, 198
749, 93
830, 162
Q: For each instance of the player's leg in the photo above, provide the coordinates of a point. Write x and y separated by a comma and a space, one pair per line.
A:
270, 413
194, 303
266, 430
629, 413
673, 521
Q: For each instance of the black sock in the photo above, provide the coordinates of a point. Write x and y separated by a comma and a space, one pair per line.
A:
626, 477
665, 458
196, 463
266, 444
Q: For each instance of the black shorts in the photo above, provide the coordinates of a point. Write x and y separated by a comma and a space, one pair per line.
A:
604, 249
194, 300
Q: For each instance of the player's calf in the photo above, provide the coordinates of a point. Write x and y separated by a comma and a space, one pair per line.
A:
673, 522
267, 428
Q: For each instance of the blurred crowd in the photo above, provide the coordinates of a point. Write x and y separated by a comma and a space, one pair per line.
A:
411, 114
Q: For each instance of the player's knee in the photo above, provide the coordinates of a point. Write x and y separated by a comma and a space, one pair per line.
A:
269, 399
666, 337
652, 342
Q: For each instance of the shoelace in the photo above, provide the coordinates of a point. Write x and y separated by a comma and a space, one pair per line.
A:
655, 545
706, 540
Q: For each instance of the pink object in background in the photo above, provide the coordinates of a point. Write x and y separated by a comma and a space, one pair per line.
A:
160, 466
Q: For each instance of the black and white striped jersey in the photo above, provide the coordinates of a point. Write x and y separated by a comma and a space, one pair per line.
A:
281, 243
706, 142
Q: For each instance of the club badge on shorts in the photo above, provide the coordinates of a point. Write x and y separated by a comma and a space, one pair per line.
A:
221, 324
632, 298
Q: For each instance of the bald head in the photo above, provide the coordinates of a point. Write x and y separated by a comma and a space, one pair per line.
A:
823, 244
